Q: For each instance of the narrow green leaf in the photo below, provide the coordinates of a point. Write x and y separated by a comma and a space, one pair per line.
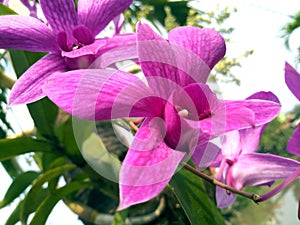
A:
18, 186
12, 167
193, 198
22, 60
4, 10
13, 147
15, 215
71, 142
44, 113
44, 210
37, 187
96, 154
120, 217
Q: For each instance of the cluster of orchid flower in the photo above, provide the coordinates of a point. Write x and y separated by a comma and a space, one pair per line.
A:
178, 114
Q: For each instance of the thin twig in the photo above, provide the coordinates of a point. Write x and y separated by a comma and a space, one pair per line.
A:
6, 81
254, 197
132, 125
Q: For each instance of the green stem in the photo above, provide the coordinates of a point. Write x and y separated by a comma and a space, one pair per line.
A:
6, 81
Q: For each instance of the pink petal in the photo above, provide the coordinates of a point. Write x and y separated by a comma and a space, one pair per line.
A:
171, 61
224, 198
292, 80
250, 138
28, 87
293, 145
198, 102
207, 44
231, 144
146, 172
228, 117
264, 95
26, 33
257, 169
265, 111
116, 49
96, 94
206, 155
97, 14
83, 57
60, 14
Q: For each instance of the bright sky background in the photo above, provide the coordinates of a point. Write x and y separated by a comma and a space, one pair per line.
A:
257, 26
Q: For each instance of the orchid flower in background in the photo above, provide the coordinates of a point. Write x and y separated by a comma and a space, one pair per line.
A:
292, 79
31, 7
69, 39
180, 111
4, 2
240, 166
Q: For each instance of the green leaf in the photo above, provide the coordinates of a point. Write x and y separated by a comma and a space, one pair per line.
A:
44, 210
22, 60
18, 146
37, 187
44, 113
4, 10
193, 198
120, 217
12, 167
96, 154
72, 141
18, 186
15, 215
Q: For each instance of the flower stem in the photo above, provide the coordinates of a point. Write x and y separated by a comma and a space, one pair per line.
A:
254, 197
6, 81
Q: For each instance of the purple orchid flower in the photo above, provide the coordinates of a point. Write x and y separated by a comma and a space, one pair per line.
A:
4, 2
31, 7
240, 166
69, 39
180, 111
292, 79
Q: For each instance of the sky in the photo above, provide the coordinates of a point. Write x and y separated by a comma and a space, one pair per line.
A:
257, 26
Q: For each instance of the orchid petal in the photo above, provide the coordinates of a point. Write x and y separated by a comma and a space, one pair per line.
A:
231, 145
83, 57
118, 23
256, 169
116, 49
292, 80
265, 111
224, 198
171, 63
153, 60
207, 44
294, 143
91, 49
206, 155
96, 94
28, 88
60, 14
228, 117
264, 95
97, 14
146, 172
185, 108
250, 138
26, 33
